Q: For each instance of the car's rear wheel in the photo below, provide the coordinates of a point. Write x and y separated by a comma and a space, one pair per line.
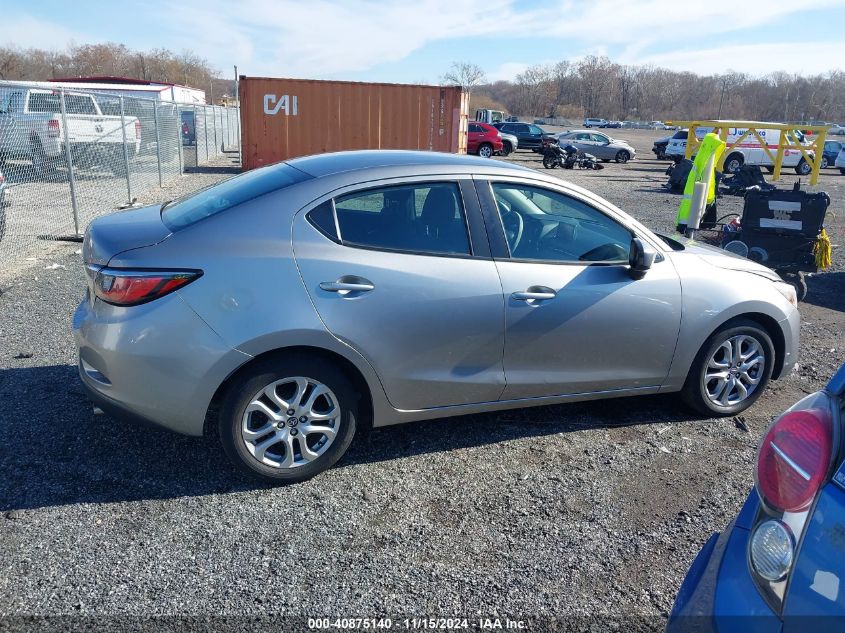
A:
731, 370
288, 418
803, 167
842, 170
507, 148
485, 150
622, 156
825, 162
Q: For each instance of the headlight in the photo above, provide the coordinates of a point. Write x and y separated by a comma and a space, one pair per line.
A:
788, 292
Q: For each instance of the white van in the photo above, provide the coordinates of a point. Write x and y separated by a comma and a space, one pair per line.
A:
749, 152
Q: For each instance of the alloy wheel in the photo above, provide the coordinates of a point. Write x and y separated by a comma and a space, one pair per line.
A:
734, 370
290, 422
485, 151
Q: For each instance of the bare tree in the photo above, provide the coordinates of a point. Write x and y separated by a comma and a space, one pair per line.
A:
466, 75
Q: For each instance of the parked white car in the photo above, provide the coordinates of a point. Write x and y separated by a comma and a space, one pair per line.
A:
31, 128
659, 125
840, 161
749, 152
837, 129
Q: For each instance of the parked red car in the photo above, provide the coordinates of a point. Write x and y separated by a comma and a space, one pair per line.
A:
483, 139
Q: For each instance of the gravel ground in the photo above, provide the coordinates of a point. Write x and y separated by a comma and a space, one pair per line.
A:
580, 510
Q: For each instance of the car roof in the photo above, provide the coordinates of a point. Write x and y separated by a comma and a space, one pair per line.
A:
584, 131
320, 165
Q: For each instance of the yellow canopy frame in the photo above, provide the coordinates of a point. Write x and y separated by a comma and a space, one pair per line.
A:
786, 141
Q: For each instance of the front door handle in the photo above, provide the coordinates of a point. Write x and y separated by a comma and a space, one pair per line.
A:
344, 287
535, 293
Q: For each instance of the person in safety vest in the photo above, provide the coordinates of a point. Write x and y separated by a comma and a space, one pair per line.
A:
711, 145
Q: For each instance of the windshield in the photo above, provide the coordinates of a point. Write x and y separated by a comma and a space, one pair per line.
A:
212, 200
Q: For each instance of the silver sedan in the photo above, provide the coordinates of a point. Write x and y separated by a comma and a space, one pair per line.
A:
291, 305
599, 145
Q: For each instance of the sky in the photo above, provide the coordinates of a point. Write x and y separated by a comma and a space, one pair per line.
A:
416, 41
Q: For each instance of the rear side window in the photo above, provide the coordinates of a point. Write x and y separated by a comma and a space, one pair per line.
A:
418, 218
212, 200
474, 127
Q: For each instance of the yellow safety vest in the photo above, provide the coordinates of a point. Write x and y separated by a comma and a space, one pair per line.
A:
711, 145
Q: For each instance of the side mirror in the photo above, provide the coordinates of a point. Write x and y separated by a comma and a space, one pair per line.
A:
640, 258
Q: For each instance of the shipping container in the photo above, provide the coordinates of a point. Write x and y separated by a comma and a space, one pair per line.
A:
285, 118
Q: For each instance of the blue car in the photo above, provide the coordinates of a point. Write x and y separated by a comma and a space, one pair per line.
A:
830, 152
779, 567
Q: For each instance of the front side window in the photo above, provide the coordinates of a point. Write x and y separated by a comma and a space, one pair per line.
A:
546, 225
417, 218
600, 138
534, 129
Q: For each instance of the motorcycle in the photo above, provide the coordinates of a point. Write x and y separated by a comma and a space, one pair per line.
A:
568, 157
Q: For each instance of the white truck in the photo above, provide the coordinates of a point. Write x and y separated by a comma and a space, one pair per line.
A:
31, 128
489, 116
748, 152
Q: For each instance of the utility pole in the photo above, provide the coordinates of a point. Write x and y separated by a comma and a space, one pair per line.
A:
237, 96
211, 85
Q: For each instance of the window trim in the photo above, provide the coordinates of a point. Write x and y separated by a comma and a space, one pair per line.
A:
475, 251
498, 242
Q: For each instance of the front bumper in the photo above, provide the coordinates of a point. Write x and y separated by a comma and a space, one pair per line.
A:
156, 362
791, 329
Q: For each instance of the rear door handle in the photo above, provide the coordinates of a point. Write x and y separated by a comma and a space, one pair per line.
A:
344, 287
535, 294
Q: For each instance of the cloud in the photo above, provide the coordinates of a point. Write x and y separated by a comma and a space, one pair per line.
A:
755, 59
327, 38
25, 31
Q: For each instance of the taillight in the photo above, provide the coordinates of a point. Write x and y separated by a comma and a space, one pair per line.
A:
794, 458
137, 129
132, 287
53, 128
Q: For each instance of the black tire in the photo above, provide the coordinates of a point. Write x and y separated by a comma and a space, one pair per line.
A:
825, 163
40, 161
734, 163
605, 160
485, 150
622, 156
549, 161
803, 168
797, 281
115, 161
507, 148
693, 391
770, 169
264, 373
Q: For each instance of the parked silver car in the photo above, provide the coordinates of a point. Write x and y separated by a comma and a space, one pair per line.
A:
291, 304
599, 145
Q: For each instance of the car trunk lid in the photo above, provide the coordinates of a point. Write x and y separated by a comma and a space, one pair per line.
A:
119, 232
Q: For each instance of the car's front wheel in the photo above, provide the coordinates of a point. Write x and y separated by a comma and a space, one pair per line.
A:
288, 418
825, 162
507, 148
622, 156
731, 370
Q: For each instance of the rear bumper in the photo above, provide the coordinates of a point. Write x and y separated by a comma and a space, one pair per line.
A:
718, 594
157, 362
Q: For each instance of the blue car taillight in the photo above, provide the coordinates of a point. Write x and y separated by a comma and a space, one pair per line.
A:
794, 461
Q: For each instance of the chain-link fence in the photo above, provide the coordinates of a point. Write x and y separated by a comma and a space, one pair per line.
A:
211, 130
67, 156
